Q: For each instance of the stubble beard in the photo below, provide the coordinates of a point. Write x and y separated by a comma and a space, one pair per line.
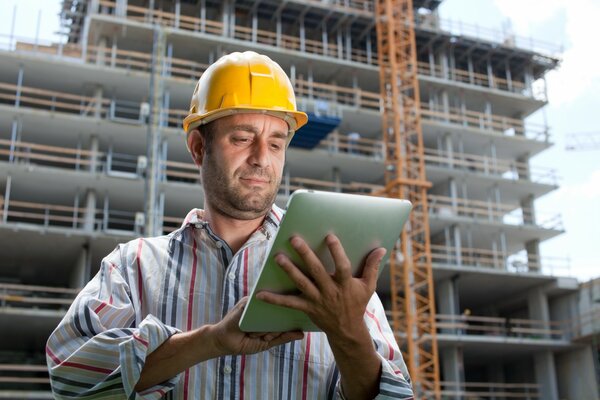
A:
227, 196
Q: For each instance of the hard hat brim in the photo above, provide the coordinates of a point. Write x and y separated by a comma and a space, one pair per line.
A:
294, 119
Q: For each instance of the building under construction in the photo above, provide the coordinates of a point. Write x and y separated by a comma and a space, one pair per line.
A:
400, 103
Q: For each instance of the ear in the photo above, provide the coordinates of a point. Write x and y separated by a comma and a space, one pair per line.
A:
195, 142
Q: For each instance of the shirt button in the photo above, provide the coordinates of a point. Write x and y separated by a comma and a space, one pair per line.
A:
227, 369
219, 245
231, 276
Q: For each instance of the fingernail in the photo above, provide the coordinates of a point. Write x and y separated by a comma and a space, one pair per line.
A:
295, 241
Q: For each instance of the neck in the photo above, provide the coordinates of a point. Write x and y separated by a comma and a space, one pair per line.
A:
234, 231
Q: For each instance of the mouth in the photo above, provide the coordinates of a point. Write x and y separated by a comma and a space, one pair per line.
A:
255, 180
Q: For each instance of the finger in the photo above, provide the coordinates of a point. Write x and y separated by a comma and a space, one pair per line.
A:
305, 285
371, 268
289, 301
343, 270
314, 267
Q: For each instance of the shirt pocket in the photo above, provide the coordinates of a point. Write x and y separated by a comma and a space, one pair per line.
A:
314, 348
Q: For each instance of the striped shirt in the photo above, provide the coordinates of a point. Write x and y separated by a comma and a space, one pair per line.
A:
151, 288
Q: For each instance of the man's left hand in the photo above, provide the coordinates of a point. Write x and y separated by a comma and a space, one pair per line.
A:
335, 302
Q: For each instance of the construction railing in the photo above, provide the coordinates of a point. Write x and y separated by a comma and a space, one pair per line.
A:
498, 326
328, 48
490, 390
339, 95
14, 211
460, 28
493, 124
23, 374
504, 168
494, 259
450, 207
186, 69
128, 165
31, 296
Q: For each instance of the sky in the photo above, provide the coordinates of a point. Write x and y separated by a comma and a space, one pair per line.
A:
573, 107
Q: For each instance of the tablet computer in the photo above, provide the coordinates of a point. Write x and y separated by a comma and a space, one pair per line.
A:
362, 223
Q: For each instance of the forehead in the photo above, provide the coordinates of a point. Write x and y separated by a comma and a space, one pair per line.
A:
260, 122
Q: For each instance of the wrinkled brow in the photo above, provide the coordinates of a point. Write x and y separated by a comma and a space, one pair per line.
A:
253, 129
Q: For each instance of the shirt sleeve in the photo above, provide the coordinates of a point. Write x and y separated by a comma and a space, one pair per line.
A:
394, 382
97, 349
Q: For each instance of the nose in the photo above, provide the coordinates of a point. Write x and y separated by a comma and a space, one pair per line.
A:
259, 153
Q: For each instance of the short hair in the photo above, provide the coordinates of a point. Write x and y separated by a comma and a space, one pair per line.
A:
208, 132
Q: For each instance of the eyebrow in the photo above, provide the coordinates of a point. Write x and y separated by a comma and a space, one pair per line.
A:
253, 129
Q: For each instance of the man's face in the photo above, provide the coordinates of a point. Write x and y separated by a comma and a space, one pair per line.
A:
243, 164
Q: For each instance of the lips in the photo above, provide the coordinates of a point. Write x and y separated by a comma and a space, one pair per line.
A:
255, 180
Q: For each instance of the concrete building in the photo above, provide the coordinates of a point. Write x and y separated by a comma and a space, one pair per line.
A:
92, 154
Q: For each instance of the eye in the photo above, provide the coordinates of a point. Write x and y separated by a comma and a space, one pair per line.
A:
241, 139
276, 146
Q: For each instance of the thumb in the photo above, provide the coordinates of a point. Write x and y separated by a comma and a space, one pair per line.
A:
371, 268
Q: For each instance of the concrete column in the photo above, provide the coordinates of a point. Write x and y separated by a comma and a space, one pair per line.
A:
537, 302
101, 51
490, 74
94, 154
457, 244
82, 269
528, 210
449, 148
453, 369
533, 255
121, 8
90, 210
447, 295
545, 375
576, 371
444, 64
523, 171
98, 93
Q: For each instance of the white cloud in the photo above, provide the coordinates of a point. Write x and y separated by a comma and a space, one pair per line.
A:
578, 72
587, 190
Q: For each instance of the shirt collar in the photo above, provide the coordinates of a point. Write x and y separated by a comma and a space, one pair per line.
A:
195, 217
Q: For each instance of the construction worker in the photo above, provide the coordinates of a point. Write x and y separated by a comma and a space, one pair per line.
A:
161, 316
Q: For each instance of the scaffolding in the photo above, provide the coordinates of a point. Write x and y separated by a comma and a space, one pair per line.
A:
413, 306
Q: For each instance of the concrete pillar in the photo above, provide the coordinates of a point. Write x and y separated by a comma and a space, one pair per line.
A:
447, 296
528, 210
449, 148
576, 371
101, 51
90, 210
495, 373
94, 145
545, 375
453, 370
98, 93
523, 170
444, 64
457, 244
537, 302
533, 255
82, 269
121, 8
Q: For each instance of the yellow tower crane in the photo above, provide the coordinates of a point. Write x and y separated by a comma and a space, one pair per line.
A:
413, 304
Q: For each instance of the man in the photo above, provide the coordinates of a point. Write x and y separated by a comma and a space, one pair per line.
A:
161, 316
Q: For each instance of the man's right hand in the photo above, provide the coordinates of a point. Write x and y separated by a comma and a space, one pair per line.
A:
230, 340
184, 350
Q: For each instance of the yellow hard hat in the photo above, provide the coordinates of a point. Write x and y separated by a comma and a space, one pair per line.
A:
244, 82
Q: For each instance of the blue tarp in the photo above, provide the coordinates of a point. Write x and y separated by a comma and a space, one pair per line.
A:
309, 136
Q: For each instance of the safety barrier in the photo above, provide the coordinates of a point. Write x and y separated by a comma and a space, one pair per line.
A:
40, 297
520, 262
490, 390
133, 60
116, 109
